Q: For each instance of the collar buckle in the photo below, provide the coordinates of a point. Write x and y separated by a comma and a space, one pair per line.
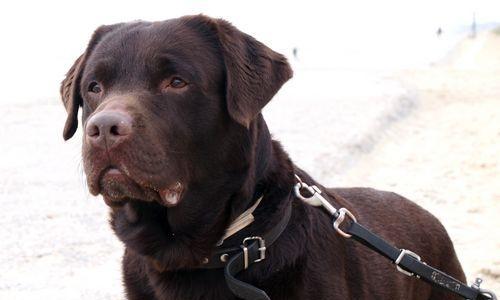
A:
262, 249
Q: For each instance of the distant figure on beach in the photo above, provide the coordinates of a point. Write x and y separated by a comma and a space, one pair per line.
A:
439, 32
295, 55
473, 27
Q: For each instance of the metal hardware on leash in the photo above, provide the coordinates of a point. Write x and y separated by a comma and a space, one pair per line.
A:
370, 240
342, 213
400, 258
317, 200
488, 293
477, 283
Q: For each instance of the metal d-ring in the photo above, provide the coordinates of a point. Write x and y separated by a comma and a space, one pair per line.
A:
336, 224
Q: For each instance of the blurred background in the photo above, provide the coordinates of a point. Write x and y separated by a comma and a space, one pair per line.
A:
396, 95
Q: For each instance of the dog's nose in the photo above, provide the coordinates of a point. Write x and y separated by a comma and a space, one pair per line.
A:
108, 128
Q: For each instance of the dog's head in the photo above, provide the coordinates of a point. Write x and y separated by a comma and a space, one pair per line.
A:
169, 109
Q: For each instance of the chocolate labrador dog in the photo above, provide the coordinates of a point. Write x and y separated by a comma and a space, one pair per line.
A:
174, 141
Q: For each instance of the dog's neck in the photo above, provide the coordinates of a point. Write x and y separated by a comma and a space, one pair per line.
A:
272, 174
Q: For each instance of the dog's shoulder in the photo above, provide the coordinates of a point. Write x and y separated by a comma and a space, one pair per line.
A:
370, 202
392, 216
403, 223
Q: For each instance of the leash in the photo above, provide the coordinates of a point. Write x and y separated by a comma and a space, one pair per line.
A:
253, 250
406, 261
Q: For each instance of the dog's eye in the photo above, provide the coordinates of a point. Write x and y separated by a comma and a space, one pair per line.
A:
173, 83
94, 87
177, 83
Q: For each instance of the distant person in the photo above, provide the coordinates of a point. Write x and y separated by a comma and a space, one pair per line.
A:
295, 55
439, 32
473, 26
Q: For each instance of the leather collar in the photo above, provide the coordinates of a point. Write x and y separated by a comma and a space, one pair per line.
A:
252, 248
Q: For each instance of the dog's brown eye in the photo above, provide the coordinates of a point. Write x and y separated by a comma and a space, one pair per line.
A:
94, 87
177, 83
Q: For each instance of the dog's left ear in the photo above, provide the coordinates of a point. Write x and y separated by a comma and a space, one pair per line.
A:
254, 72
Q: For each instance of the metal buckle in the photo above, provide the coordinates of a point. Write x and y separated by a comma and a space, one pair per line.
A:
400, 258
262, 249
336, 224
245, 257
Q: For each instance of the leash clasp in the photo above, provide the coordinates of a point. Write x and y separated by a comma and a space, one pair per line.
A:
316, 199
262, 249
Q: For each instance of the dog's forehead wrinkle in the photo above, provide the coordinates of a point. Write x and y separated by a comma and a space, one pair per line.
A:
142, 53
132, 49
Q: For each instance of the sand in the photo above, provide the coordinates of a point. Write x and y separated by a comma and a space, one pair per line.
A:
446, 154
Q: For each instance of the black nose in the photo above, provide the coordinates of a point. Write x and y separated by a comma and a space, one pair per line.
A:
108, 128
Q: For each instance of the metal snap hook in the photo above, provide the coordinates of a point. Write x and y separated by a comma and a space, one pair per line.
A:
316, 199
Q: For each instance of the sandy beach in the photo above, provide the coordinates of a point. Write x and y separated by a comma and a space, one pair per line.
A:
446, 154
431, 134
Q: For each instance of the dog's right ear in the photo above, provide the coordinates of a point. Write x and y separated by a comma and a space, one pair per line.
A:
70, 86
71, 97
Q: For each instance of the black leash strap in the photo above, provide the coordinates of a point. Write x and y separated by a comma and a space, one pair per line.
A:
237, 264
407, 262
410, 263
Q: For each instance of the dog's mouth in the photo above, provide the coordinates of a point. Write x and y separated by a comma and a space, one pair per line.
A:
117, 187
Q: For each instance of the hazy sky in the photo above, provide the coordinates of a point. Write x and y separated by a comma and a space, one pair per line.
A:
40, 39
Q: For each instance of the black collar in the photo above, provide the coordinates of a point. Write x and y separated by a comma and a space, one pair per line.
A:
252, 248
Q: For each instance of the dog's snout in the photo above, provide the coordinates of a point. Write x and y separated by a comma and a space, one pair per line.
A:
108, 128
